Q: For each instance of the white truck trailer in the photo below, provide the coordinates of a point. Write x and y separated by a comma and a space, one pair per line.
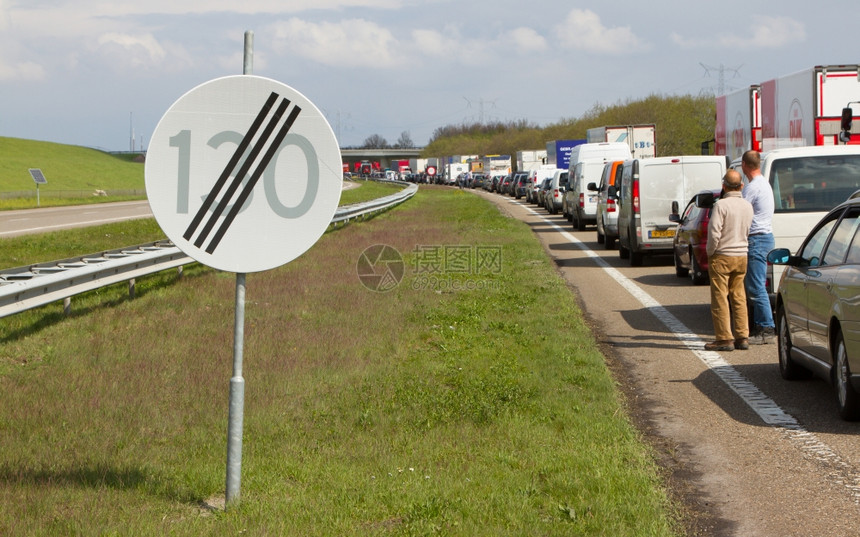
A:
738, 125
640, 138
530, 160
805, 108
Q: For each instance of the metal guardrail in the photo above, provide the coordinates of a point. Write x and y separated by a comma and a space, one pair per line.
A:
36, 285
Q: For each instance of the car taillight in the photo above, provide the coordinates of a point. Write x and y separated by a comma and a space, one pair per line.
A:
581, 200
610, 206
636, 196
555, 193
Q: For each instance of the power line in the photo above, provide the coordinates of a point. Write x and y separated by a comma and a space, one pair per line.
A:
721, 87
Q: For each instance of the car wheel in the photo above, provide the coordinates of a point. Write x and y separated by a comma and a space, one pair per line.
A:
847, 397
608, 242
697, 274
623, 251
636, 256
580, 221
601, 238
788, 368
681, 272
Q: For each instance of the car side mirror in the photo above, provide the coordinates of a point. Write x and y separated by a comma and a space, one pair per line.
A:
779, 256
612, 192
675, 217
847, 120
592, 186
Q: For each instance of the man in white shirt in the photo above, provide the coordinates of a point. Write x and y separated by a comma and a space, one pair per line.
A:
760, 194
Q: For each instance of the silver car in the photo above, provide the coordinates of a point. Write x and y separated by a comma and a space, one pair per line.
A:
818, 306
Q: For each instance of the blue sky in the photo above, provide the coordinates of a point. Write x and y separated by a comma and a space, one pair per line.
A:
89, 72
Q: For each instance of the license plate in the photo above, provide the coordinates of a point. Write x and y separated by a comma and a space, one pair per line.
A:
661, 233
592, 199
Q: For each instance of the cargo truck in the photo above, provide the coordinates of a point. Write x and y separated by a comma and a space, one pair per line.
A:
453, 171
805, 108
558, 152
738, 125
640, 138
530, 160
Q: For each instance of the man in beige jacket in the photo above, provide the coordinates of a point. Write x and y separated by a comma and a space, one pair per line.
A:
728, 229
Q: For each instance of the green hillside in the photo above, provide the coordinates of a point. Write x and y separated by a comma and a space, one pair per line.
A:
683, 123
66, 167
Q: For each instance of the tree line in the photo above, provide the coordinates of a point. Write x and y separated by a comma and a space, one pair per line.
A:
683, 123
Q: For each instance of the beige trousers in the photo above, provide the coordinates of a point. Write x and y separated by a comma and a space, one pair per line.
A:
728, 298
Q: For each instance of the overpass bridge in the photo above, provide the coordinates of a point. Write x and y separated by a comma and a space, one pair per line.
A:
383, 156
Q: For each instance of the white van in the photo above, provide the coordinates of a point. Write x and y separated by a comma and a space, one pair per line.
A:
605, 150
644, 199
607, 215
536, 177
807, 182
555, 195
580, 204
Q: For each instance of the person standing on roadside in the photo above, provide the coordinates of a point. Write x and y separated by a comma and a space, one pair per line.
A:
728, 232
760, 194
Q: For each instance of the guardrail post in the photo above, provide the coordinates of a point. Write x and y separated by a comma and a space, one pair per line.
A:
131, 288
67, 306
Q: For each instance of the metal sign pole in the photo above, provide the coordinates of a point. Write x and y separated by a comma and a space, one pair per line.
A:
237, 399
237, 382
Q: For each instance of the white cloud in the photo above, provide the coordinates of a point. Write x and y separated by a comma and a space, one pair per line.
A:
351, 43
583, 30
23, 71
134, 50
765, 32
451, 45
776, 32
528, 40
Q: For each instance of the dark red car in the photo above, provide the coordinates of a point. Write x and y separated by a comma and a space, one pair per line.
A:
691, 237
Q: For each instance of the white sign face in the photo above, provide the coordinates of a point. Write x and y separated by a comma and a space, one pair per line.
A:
243, 173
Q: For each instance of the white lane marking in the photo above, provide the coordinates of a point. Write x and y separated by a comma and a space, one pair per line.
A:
71, 225
809, 444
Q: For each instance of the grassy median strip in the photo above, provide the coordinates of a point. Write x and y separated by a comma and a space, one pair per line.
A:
467, 398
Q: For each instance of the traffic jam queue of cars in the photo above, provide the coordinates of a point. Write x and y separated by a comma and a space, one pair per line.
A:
661, 206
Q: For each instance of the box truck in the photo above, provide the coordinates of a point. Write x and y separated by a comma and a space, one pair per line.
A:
639, 138
454, 170
805, 108
738, 125
558, 152
530, 160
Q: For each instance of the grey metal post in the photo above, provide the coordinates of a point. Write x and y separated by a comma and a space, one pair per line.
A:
237, 399
248, 66
237, 382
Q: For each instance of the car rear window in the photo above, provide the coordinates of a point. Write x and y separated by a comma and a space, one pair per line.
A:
813, 184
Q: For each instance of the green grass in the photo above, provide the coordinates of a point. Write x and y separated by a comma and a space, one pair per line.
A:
366, 191
66, 167
459, 403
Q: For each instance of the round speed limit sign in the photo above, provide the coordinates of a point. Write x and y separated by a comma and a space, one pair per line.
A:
243, 173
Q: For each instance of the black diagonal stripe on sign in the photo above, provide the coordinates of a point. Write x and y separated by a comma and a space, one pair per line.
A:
270, 153
243, 171
234, 160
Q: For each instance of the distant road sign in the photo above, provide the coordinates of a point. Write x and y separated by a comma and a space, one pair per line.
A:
38, 176
243, 173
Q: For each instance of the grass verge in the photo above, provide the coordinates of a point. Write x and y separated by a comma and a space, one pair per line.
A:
469, 399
